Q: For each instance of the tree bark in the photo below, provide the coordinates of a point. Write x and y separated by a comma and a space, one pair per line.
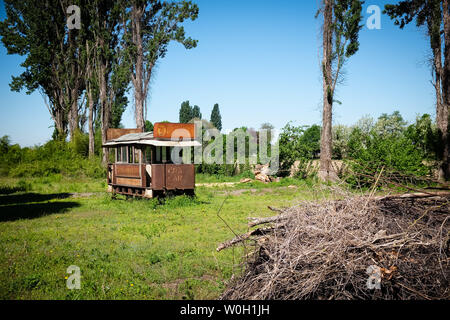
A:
105, 109
444, 113
74, 89
106, 112
90, 101
138, 78
59, 122
73, 114
91, 124
326, 171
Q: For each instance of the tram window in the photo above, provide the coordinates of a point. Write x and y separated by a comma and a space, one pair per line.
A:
148, 154
137, 154
130, 154
121, 154
118, 154
158, 154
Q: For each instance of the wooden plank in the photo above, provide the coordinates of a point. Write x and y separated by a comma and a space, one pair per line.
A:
128, 170
158, 177
128, 182
143, 176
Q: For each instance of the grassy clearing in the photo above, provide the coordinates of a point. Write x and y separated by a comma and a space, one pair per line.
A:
126, 249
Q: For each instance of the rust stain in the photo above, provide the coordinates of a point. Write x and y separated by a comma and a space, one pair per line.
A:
174, 131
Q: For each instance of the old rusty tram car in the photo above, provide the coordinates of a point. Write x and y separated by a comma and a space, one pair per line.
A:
143, 166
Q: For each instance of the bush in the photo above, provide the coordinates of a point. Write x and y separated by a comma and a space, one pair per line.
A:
80, 143
298, 145
341, 136
425, 136
386, 146
54, 157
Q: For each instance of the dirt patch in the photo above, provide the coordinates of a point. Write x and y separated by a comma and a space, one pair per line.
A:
85, 194
239, 192
218, 184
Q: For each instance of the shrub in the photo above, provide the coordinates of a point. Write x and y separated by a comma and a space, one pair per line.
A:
298, 145
80, 143
341, 136
425, 136
387, 146
54, 157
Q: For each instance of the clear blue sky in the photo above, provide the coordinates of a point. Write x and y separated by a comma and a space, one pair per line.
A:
259, 59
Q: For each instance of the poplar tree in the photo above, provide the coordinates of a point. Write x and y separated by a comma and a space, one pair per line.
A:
216, 118
186, 112
341, 28
196, 114
435, 17
148, 27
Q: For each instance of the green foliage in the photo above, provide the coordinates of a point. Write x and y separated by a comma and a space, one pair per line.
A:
54, 157
148, 126
341, 135
348, 16
4, 144
298, 144
404, 12
80, 144
424, 134
186, 112
310, 140
386, 145
196, 113
390, 125
150, 26
161, 22
216, 118
189, 113
38, 31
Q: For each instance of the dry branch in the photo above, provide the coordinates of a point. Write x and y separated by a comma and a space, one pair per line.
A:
322, 250
243, 237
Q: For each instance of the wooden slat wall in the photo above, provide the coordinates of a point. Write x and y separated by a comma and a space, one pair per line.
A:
129, 182
127, 170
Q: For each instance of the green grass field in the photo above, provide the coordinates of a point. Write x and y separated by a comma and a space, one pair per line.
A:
126, 249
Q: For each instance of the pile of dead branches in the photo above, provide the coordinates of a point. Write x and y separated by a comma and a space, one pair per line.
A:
393, 247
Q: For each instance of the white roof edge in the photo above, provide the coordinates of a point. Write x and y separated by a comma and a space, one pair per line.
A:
156, 143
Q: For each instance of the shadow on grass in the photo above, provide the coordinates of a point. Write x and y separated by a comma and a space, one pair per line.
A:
34, 210
9, 189
30, 197
23, 206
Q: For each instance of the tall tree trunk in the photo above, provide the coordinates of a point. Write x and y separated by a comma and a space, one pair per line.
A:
90, 101
60, 123
73, 114
443, 120
73, 91
138, 79
326, 171
91, 124
441, 112
106, 111
61, 115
